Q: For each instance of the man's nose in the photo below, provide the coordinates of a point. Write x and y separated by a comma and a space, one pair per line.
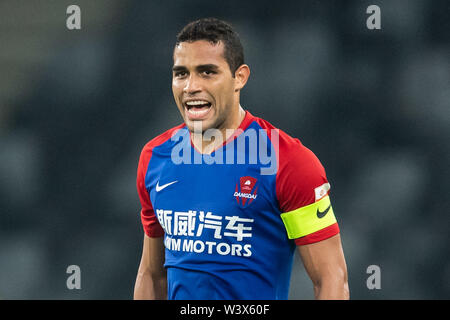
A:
192, 85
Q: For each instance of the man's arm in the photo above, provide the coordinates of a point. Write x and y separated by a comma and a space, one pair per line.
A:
151, 280
325, 264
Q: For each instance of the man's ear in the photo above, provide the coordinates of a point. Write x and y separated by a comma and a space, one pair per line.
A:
241, 76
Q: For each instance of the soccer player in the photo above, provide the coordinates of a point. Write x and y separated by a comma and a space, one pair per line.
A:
220, 220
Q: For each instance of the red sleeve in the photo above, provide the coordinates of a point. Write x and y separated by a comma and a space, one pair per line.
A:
299, 175
152, 228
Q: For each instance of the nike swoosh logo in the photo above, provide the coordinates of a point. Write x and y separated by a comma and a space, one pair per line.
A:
321, 214
159, 188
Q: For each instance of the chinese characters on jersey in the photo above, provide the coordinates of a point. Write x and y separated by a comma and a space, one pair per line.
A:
186, 231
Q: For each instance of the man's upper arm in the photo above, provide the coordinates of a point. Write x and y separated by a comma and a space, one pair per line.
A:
153, 251
302, 190
150, 223
303, 194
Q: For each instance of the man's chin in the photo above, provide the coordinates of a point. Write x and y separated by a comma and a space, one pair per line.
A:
199, 126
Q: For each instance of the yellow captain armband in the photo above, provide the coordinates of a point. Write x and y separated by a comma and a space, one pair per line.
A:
308, 219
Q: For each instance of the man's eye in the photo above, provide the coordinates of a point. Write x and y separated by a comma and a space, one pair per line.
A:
180, 74
208, 72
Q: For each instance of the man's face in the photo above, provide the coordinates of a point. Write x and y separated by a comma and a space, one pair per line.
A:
202, 84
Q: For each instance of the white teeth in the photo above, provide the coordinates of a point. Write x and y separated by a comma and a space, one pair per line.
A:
198, 113
196, 103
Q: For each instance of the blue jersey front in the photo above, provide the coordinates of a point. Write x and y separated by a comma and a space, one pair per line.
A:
223, 234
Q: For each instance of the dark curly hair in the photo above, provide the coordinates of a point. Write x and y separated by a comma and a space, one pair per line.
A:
214, 31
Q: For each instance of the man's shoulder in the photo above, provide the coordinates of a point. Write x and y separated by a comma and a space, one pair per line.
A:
162, 138
290, 150
285, 141
157, 141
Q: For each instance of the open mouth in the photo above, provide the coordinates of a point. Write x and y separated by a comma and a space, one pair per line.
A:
197, 109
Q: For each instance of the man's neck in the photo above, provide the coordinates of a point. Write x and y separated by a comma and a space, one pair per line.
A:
206, 145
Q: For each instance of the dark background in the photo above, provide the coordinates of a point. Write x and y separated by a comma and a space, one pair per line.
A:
76, 107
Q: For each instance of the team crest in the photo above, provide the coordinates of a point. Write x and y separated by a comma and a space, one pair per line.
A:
245, 191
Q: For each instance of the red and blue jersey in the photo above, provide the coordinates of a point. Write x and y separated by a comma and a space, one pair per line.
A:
230, 229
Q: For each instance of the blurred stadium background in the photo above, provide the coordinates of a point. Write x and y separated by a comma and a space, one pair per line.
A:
77, 106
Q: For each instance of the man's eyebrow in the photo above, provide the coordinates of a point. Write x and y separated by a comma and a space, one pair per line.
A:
178, 68
199, 67
207, 67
